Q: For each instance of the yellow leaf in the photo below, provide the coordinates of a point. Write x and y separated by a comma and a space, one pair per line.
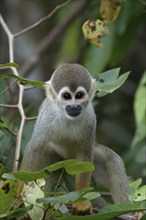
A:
109, 10
94, 30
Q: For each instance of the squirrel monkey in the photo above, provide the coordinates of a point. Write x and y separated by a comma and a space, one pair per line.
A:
65, 128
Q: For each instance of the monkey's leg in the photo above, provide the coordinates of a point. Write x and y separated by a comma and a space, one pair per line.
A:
82, 181
110, 172
85, 207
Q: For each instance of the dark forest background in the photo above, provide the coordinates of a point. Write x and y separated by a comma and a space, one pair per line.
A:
59, 40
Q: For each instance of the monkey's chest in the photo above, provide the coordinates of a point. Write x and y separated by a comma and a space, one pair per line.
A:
67, 141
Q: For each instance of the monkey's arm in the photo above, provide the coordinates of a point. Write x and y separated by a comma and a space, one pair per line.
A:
82, 181
38, 154
110, 172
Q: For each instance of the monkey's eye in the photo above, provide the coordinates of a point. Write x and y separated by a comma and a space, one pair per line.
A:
66, 96
79, 95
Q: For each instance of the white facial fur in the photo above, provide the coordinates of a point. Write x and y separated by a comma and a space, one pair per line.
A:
73, 95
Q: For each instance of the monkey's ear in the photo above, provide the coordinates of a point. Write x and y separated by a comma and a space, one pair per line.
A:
93, 88
49, 90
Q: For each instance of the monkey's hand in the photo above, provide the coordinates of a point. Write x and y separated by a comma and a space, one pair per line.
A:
82, 208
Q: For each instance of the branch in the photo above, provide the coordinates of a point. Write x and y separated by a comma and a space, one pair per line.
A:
21, 92
41, 20
31, 118
8, 106
19, 136
51, 38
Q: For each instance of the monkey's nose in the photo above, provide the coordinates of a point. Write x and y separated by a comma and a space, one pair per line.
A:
73, 110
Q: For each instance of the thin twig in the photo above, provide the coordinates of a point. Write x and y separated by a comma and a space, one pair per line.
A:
8, 106
31, 118
52, 37
19, 136
11, 84
21, 92
42, 19
58, 182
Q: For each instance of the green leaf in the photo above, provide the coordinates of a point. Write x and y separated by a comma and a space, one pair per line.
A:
9, 65
18, 213
67, 198
135, 184
80, 167
57, 210
139, 107
140, 194
8, 176
29, 176
23, 80
109, 81
59, 165
140, 111
116, 210
72, 167
3, 124
96, 59
3, 169
91, 195
7, 194
143, 217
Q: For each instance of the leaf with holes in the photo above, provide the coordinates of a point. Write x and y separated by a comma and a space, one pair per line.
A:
109, 81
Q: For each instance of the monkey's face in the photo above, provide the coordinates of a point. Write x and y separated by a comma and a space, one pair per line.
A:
73, 102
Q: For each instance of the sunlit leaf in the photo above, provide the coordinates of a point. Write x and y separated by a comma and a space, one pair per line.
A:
140, 194
94, 30
135, 184
109, 10
32, 191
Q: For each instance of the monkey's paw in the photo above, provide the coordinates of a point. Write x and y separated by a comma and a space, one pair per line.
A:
82, 208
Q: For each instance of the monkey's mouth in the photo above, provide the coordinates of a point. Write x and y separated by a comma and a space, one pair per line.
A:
73, 110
